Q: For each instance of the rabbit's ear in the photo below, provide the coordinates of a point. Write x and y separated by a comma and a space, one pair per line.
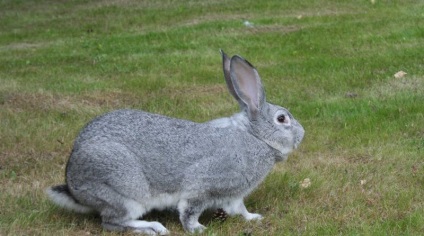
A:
227, 76
247, 85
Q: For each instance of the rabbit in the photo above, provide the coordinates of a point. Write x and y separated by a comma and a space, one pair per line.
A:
126, 163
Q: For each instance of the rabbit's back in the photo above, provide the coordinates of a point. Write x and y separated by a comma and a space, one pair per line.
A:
153, 136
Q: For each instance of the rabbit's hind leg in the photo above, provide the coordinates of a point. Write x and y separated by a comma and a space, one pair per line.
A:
118, 212
123, 215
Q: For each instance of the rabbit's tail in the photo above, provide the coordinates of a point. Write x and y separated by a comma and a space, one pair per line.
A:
60, 195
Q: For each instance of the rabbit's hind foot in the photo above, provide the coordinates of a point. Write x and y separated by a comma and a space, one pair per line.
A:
138, 226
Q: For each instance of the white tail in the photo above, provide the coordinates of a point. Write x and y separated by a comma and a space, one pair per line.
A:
65, 200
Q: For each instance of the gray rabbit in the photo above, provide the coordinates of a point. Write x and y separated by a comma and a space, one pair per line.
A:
127, 162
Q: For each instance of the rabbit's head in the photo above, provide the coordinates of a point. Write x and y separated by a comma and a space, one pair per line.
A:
270, 123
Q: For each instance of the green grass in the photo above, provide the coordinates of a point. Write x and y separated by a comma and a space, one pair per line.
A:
330, 62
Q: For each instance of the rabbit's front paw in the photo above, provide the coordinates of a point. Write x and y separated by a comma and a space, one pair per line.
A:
253, 216
198, 228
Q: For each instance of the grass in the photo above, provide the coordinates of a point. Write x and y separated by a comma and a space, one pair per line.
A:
330, 62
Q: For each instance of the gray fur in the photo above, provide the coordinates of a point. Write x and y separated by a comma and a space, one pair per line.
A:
128, 162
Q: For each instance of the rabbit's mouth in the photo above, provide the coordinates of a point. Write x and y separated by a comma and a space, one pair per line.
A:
281, 157
296, 144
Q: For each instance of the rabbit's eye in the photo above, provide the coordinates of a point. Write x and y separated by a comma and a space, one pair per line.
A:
281, 118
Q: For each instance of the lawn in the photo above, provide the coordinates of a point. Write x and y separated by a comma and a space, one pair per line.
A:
332, 63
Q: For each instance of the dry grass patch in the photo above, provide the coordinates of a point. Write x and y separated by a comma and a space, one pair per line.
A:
93, 102
23, 46
394, 86
189, 92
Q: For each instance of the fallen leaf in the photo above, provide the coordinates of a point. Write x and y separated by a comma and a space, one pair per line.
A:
400, 74
247, 23
306, 183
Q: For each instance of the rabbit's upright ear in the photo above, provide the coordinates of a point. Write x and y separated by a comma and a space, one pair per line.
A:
247, 85
226, 68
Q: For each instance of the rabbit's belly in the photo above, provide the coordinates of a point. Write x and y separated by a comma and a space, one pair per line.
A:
162, 201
